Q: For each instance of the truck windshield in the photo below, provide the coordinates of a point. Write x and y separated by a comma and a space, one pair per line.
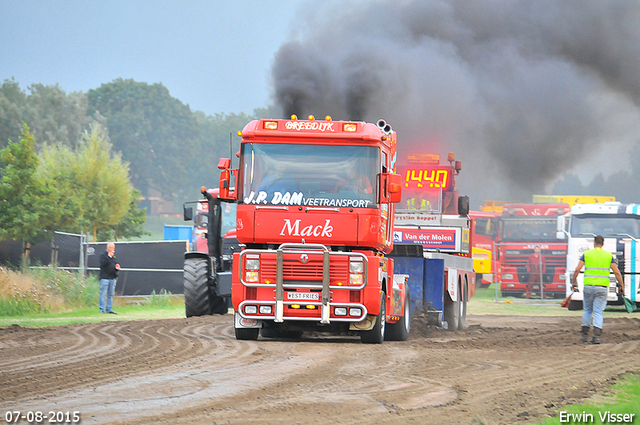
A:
533, 230
309, 175
605, 225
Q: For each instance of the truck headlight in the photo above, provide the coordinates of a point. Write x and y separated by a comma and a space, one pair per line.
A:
356, 267
507, 276
250, 309
252, 264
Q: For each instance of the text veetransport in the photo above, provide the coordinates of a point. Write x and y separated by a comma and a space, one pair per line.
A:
297, 198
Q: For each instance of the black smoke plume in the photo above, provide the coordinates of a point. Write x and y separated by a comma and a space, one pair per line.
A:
521, 91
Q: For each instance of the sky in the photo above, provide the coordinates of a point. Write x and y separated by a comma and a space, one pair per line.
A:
523, 92
213, 55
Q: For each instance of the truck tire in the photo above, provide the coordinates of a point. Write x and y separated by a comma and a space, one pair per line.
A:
219, 305
452, 315
247, 334
196, 290
462, 320
399, 331
376, 335
575, 305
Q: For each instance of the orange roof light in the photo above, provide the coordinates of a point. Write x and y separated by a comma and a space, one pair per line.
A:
294, 117
350, 127
311, 118
271, 125
327, 118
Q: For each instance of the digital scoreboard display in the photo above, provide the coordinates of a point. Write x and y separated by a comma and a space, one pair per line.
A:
427, 177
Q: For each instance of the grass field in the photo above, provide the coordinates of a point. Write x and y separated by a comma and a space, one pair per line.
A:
484, 302
620, 399
151, 307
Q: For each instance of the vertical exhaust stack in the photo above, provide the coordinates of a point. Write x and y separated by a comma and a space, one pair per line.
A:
382, 124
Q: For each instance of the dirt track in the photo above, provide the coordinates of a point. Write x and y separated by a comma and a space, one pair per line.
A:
191, 371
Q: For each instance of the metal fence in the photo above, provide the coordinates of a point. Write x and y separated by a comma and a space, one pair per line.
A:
146, 267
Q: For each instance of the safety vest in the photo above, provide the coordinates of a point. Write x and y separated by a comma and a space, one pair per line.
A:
424, 204
597, 263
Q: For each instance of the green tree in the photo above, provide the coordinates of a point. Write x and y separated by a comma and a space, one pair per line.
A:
56, 117
102, 182
23, 198
53, 116
56, 172
130, 226
155, 132
91, 188
12, 104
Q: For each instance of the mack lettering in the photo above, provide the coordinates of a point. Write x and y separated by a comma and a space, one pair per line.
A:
295, 229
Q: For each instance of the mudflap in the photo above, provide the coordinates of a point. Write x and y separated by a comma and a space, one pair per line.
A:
242, 323
435, 318
365, 325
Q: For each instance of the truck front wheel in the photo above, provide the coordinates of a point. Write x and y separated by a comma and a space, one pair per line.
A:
399, 331
247, 334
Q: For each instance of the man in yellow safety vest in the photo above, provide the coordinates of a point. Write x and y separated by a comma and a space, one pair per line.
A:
597, 264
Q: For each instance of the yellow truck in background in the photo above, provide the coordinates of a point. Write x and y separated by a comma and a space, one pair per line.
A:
572, 199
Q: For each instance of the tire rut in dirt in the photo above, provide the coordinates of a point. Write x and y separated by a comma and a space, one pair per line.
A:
90, 354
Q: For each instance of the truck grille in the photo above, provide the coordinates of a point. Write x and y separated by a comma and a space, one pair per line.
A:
293, 269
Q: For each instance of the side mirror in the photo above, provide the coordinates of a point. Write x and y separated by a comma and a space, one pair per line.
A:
225, 178
561, 233
463, 205
187, 213
390, 188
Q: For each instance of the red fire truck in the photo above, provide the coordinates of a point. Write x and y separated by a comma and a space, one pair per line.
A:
315, 203
518, 232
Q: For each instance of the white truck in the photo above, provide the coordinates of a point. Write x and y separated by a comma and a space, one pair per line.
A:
619, 224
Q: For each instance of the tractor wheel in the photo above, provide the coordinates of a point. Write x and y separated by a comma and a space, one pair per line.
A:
376, 335
196, 290
399, 331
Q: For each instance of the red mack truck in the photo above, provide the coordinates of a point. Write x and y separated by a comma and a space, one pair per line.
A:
315, 203
518, 232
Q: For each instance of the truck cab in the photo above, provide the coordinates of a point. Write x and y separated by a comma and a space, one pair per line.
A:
619, 224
